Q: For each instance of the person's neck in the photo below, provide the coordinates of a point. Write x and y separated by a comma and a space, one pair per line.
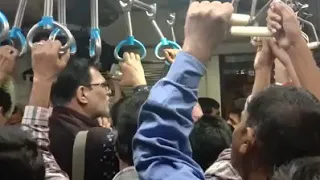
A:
76, 107
257, 176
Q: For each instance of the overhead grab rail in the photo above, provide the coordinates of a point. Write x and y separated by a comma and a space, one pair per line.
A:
62, 19
243, 25
95, 47
16, 37
130, 41
151, 11
48, 23
4, 31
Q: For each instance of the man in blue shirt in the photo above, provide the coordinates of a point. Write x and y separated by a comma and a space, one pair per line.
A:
274, 126
167, 113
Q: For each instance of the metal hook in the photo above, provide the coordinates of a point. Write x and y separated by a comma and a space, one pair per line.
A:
316, 43
62, 19
171, 22
151, 11
16, 32
47, 22
4, 27
95, 47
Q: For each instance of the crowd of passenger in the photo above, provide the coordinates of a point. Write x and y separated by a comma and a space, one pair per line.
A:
68, 130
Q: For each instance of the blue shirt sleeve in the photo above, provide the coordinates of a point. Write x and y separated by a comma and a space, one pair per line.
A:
161, 145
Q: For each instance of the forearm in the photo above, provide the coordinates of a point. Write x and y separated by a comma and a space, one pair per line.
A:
293, 75
262, 76
305, 66
40, 93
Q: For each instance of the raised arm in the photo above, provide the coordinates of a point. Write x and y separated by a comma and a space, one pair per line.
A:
283, 22
46, 64
263, 63
161, 145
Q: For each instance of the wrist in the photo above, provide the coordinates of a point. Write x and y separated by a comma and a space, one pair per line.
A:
42, 82
141, 82
201, 51
262, 68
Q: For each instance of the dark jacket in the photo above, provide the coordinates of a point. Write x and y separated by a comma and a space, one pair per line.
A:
100, 161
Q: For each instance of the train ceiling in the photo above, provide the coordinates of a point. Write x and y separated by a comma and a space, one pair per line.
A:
78, 11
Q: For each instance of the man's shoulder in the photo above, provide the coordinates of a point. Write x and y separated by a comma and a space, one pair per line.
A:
101, 136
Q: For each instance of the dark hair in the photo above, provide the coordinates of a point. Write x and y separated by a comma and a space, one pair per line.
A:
114, 111
286, 120
299, 169
238, 106
19, 156
127, 124
207, 104
76, 73
209, 137
5, 101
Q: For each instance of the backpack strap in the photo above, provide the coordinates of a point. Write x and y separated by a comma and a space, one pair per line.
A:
78, 156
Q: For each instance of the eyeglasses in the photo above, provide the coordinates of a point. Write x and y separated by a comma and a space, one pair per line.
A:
104, 85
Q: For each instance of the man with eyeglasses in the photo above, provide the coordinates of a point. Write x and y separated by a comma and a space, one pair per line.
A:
79, 97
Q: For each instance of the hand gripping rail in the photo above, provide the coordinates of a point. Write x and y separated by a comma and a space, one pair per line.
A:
130, 41
4, 27
95, 48
244, 29
151, 11
47, 22
16, 32
62, 19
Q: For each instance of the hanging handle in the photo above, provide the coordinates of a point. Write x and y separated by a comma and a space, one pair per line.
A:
130, 41
95, 47
4, 27
171, 22
165, 43
47, 22
62, 19
17, 39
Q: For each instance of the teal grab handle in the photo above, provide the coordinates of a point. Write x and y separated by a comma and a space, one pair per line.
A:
73, 46
4, 31
130, 41
165, 42
16, 33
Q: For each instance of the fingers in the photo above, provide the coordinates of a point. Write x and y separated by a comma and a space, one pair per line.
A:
129, 57
282, 9
138, 57
274, 21
126, 56
55, 45
66, 56
9, 51
167, 54
38, 46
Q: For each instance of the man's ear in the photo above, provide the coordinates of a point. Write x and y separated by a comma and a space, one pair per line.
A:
82, 94
248, 141
1, 111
